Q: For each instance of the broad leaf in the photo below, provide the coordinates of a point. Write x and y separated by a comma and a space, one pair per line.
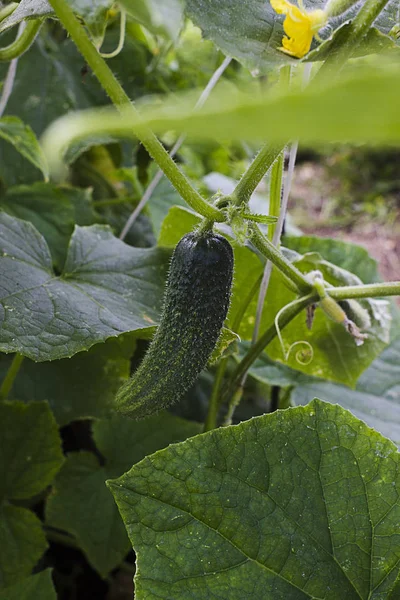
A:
164, 17
376, 398
346, 255
21, 136
37, 587
30, 453
22, 543
302, 503
30, 456
81, 503
53, 210
80, 387
107, 288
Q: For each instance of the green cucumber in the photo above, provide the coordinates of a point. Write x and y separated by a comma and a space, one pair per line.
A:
196, 303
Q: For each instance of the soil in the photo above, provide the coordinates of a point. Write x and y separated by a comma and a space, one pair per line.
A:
313, 210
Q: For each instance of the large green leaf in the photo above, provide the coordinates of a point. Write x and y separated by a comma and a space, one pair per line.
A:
376, 398
21, 136
107, 288
252, 32
81, 503
30, 456
80, 387
302, 503
36, 587
53, 210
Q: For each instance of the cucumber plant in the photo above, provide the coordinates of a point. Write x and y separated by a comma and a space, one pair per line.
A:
143, 310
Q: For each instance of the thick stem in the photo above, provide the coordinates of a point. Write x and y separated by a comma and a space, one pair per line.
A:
254, 174
276, 257
114, 90
275, 192
9, 379
23, 41
369, 290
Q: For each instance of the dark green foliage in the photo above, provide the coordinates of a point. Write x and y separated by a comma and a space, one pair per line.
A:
195, 306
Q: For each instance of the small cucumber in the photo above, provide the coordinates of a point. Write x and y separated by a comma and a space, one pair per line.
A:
195, 306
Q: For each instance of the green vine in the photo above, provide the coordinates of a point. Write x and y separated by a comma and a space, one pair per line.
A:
23, 41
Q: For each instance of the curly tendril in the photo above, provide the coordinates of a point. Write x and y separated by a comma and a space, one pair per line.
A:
301, 357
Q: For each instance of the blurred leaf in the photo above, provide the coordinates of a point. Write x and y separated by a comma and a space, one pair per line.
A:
26, 9
81, 503
21, 136
163, 17
30, 451
80, 387
52, 210
22, 543
376, 398
30, 456
36, 587
335, 111
107, 288
302, 503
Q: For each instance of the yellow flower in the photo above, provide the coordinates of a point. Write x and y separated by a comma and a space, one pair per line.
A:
299, 25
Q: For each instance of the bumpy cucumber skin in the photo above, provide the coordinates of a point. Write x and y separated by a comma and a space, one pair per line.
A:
196, 303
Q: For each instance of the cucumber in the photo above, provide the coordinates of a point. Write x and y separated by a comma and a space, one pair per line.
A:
196, 303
